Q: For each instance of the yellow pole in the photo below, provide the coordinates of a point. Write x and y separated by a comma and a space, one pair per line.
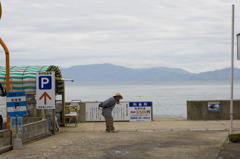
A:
7, 74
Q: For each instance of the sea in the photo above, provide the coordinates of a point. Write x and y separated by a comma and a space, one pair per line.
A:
169, 98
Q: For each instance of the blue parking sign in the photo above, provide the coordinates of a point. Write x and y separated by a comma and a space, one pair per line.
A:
45, 90
45, 82
16, 104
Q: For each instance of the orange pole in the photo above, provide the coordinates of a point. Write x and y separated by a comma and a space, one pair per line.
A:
7, 74
7, 65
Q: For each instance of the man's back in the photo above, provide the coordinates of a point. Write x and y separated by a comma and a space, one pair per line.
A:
108, 106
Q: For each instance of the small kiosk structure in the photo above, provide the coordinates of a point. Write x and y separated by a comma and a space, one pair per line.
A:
23, 78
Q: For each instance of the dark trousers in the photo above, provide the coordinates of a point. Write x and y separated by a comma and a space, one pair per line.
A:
109, 124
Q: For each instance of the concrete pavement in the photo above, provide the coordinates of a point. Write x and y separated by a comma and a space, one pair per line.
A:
161, 124
162, 138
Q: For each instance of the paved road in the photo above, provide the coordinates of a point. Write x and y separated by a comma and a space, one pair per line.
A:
230, 151
163, 138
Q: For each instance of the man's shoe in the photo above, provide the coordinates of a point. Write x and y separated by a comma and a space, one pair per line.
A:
114, 131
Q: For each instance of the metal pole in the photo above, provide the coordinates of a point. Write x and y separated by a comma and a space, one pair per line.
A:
63, 103
7, 80
7, 65
232, 71
7, 73
53, 121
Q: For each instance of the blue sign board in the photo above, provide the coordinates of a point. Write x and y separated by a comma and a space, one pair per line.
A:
140, 104
214, 106
45, 82
16, 125
45, 90
140, 111
16, 104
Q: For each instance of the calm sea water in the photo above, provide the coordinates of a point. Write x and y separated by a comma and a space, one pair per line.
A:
169, 99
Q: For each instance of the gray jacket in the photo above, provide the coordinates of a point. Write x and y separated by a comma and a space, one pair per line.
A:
108, 106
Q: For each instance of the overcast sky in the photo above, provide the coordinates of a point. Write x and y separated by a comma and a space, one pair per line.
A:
191, 34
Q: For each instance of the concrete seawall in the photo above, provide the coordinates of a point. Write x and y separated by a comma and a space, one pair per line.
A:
198, 110
125, 112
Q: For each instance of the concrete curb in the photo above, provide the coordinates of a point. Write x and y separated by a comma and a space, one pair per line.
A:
37, 138
149, 130
5, 149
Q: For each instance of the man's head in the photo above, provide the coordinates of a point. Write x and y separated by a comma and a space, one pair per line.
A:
118, 96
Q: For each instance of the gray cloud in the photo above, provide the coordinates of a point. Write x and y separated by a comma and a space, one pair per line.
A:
194, 35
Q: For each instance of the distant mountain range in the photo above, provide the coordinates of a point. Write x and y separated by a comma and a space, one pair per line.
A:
108, 73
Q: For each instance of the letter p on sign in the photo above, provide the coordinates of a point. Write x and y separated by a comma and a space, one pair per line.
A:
45, 82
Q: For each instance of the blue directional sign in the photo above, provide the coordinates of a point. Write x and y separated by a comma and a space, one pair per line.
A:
16, 104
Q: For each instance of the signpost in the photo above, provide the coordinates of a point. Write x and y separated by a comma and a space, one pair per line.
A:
16, 104
45, 97
16, 127
45, 84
